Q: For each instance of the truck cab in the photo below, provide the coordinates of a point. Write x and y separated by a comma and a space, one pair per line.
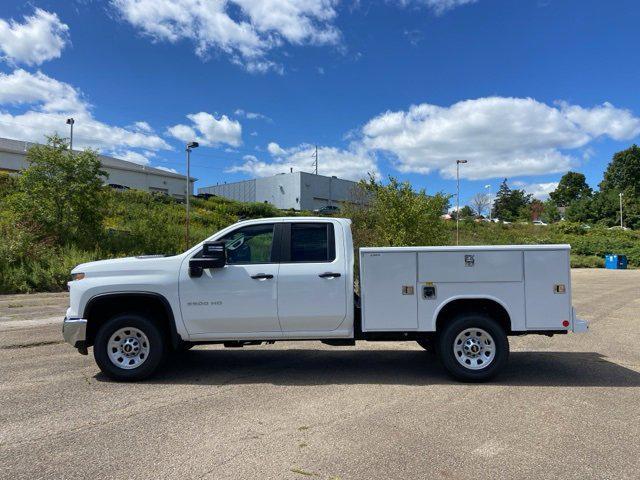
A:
292, 278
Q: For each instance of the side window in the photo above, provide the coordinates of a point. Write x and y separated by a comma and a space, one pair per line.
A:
312, 242
252, 244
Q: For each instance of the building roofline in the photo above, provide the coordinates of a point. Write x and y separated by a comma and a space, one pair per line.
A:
299, 172
20, 146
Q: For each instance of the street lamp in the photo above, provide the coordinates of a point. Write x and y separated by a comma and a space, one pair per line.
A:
621, 223
70, 122
458, 162
190, 146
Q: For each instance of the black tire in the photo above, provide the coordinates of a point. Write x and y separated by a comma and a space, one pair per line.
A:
156, 347
449, 358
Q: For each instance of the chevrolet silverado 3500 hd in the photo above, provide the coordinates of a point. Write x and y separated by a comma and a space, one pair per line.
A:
293, 279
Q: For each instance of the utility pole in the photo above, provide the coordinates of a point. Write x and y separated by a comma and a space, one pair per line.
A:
621, 222
190, 146
458, 162
315, 155
70, 122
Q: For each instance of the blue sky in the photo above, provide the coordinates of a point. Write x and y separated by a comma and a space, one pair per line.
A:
524, 89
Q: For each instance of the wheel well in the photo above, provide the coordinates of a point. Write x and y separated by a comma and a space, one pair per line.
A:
103, 307
474, 305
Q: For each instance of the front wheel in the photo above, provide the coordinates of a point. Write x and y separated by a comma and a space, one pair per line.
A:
129, 347
473, 347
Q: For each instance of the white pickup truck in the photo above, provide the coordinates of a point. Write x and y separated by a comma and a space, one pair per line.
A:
292, 278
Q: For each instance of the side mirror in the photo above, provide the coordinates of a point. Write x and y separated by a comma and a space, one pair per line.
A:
214, 255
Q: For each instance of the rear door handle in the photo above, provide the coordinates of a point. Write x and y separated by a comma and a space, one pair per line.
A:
262, 276
330, 275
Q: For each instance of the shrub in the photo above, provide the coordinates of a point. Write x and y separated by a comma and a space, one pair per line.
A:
586, 261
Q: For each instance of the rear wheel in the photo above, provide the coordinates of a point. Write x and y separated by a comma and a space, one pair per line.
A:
129, 347
473, 347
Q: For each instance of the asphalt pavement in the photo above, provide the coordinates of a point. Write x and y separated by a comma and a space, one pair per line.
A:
566, 407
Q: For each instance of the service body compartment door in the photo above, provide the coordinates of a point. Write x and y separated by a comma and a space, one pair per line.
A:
547, 289
470, 266
388, 291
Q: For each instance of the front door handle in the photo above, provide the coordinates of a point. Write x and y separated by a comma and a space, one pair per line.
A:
262, 276
330, 275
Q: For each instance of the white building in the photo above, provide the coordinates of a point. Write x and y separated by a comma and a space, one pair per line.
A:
13, 158
296, 190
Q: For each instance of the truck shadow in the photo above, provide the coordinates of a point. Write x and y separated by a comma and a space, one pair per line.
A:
385, 367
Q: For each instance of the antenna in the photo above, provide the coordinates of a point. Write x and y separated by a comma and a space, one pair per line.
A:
315, 163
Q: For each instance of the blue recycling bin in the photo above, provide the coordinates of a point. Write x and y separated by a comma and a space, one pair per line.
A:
615, 262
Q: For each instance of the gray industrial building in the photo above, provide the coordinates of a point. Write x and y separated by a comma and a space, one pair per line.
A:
296, 190
13, 158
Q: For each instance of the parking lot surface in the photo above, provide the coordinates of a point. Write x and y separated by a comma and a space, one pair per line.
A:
566, 407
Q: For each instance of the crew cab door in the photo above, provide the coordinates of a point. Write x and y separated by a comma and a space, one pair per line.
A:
240, 298
312, 293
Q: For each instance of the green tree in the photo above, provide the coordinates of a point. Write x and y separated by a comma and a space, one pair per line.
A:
604, 209
60, 195
396, 215
550, 213
572, 186
623, 173
510, 204
536, 209
467, 213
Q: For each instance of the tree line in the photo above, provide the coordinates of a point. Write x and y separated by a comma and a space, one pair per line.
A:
573, 199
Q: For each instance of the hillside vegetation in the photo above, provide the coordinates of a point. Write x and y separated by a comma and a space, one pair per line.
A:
57, 214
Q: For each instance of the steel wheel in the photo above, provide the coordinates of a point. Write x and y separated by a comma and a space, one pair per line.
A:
474, 348
128, 348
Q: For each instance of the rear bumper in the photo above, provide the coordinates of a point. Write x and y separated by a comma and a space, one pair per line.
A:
74, 331
578, 325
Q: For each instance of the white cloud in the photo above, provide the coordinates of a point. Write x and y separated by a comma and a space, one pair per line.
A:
540, 191
251, 115
167, 169
143, 127
437, 6
141, 158
41, 37
501, 137
208, 130
246, 30
23, 88
274, 149
352, 164
46, 103
604, 119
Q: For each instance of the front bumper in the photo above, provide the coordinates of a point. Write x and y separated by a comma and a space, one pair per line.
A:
74, 331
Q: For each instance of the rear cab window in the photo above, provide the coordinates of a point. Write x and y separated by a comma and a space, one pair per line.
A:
309, 243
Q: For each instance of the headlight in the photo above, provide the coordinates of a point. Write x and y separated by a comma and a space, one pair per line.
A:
77, 276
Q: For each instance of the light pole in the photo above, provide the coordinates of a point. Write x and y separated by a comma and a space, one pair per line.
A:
458, 162
621, 222
190, 146
70, 122
488, 187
